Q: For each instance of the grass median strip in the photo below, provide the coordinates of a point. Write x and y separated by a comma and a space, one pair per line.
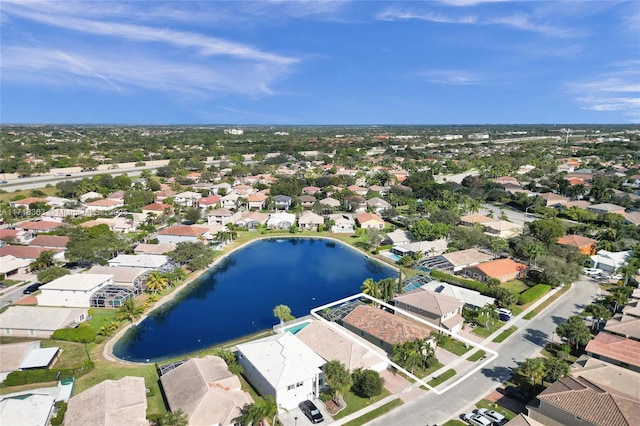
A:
546, 303
476, 356
442, 378
375, 413
503, 336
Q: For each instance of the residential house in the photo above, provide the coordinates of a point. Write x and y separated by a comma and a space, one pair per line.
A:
550, 199
437, 308
382, 190
617, 350
230, 201
456, 261
370, 221
11, 265
397, 237
157, 209
223, 187
30, 253
251, 220
355, 203
164, 194
310, 221
575, 401
382, 328
187, 199
311, 190
183, 233
50, 241
25, 356
282, 202
282, 366
502, 229
206, 391
117, 196
39, 321
91, 195
35, 227
307, 201
603, 373
472, 299
421, 248
102, 205
342, 223
631, 218
151, 262
25, 202
222, 217
281, 220
15, 236
606, 208
608, 261
378, 205
115, 224
330, 203
501, 269
123, 275
154, 248
331, 345
73, 291
31, 409
257, 201
584, 244
120, 402
470, 220
627, 326
243, 190
505, 180
358, 190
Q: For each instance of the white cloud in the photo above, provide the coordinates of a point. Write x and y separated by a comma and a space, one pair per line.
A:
525, 23
396, 15
463, 3
452, 77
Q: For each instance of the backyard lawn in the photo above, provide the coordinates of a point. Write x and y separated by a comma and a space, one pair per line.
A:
456, 347
516, 286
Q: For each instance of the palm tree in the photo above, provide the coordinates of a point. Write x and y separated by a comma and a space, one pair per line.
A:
339, 378
597, 312
487, 315
129, 311
176, 276
534, 369
156, 282
254, 414
371, 288
440, 339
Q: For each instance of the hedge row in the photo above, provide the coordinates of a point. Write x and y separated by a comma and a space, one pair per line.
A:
470, 284
83, 333
533, 293
25, 377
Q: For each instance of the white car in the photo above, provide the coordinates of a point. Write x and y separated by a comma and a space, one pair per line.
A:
593, 271
493, 416
477, 420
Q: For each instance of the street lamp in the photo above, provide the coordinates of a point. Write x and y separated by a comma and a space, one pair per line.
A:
295, 419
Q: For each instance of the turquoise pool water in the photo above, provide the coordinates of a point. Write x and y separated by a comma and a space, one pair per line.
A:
296, 328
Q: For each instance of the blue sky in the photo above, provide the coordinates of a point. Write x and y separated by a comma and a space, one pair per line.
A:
330, 62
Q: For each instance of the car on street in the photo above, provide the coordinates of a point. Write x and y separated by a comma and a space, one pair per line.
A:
32, 288
311, 411
3, 285
592, 271
514, 392
476, 420
493, 416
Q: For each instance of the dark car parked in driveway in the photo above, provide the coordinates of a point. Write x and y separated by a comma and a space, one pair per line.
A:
516, 393
311, 411
32, 288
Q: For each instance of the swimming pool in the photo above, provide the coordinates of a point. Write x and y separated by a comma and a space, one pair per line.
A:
236, 298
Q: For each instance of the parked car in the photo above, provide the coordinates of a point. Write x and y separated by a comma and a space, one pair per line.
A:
311, 411
3, 285
493, 416
593, 271
516, 393
32, 288
476, 420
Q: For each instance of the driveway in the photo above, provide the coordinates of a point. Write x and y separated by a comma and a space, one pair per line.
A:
296, 417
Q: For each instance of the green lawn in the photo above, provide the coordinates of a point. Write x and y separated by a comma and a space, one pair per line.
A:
476, 356
502, 336
544, 304
454, 422
456, 347
101, 316
356, 403
442, 378
483, 403
366, 418
516, 286
486, 332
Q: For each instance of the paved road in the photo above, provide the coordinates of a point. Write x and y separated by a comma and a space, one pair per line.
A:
532, 335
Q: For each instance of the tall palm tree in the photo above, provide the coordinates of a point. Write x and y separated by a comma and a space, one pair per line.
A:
339, 378
534, 369
156, 281
129, 311
371, 288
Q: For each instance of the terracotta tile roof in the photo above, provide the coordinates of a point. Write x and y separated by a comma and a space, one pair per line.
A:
24, 252
616, 348
430, 302
212, 199
466, 257
595, 404
105, 202
576, 241
367, 217
383, 325
499, 267
42, 225
49, 241
257, 197
8, 233
157, 207
29, 200
184, 230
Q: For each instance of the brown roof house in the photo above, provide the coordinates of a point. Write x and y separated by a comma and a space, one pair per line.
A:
50, 241
472, 219
615, 349
457, 260
576, 401
310, 221
502, 229
382, 328
439, 309
370, 221
585, 245
110, 403
183, 233
501, 269
206, 391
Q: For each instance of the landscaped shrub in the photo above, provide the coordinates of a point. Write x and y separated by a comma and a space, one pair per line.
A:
533, 293
62, 409
25, 377
83, 333
451, 279
367, 383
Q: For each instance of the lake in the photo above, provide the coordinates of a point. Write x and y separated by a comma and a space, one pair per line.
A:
237, 296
